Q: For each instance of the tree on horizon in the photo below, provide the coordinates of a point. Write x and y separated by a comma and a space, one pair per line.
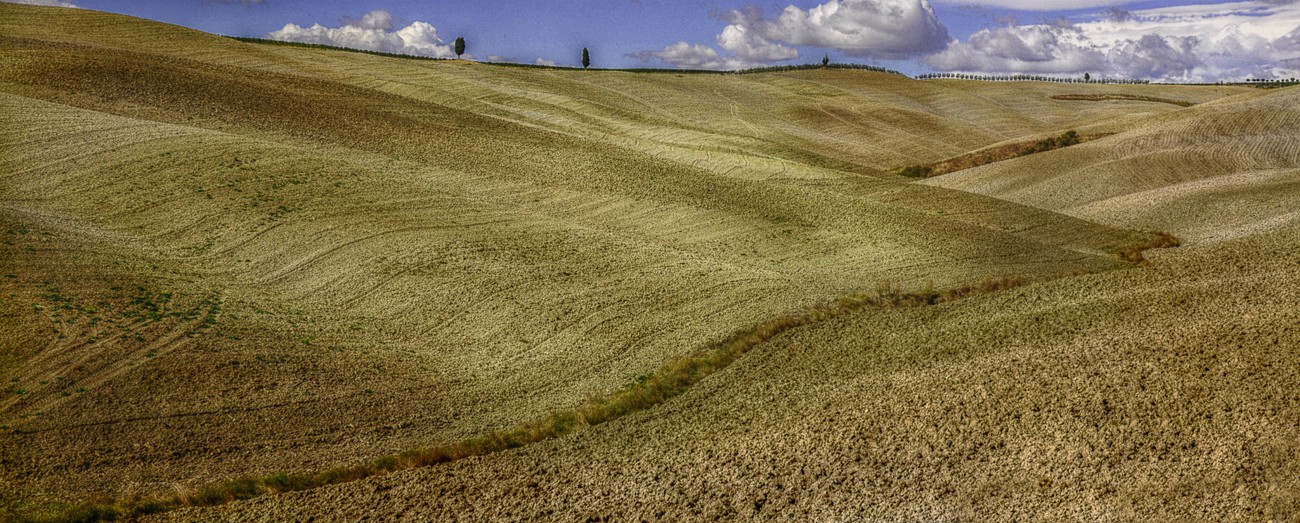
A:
460, 46
586, 58
826, 59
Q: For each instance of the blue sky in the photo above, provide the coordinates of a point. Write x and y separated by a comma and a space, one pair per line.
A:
1191, 40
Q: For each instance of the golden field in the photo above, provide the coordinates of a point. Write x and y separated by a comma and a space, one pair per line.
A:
227, 259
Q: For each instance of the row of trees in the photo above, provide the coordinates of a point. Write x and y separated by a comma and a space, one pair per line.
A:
459, 47
1087, 78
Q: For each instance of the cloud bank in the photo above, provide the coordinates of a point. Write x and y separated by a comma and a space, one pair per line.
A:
1039, 5
1201, 43
890, 29
52, 3
372, 32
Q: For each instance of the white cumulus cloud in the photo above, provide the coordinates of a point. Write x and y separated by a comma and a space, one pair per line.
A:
543, 61
871, 28
687, 56
373, 32
750, 46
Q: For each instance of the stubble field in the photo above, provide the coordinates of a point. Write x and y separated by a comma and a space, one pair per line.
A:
225, 259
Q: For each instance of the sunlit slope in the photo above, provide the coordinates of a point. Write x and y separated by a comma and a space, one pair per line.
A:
223, 258
1206, 173
854, 120
1148, 395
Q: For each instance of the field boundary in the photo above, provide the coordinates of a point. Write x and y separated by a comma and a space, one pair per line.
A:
997, 154
1122, 97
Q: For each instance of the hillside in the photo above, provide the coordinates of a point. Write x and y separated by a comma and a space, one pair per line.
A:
1209, 173
1157, 394
226, 258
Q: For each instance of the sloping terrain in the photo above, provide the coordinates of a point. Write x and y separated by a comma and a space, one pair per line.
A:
1213, 172
224, 258
1157, 394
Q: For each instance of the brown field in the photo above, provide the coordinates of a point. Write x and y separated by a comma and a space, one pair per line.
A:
225, 259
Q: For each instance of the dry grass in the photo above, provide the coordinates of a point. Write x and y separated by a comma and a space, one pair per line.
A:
670, 380
647, 391
384, 288
1134, 394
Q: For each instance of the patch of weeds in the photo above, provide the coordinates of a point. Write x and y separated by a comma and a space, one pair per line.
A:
1048, 144
1155, 240
917, 171
281, 211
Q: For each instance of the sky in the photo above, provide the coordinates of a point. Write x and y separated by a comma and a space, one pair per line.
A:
1159, 40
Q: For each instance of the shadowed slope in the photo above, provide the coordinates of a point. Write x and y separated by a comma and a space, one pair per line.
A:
1159, 394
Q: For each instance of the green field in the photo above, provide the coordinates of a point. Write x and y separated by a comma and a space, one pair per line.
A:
228, 259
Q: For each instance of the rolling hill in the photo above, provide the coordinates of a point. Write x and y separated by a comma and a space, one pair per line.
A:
1217, 171
225, 258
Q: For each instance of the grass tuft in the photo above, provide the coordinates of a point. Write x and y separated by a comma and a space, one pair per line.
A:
1156, 240
917, 171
